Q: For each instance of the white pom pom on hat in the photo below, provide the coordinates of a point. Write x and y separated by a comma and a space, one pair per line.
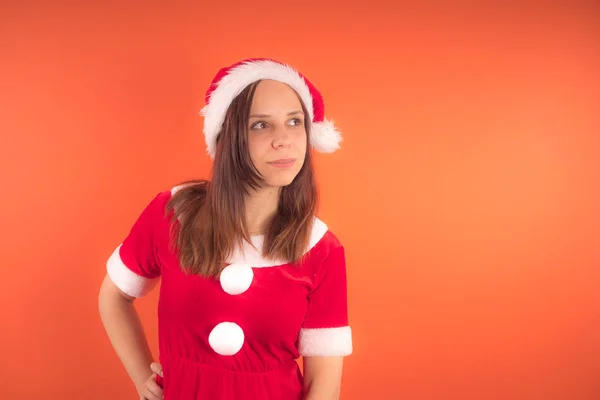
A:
232, 80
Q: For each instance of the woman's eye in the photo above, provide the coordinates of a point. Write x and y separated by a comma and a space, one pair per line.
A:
259, 125
263, 125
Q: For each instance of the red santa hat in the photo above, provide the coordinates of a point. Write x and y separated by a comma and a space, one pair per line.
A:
232, 80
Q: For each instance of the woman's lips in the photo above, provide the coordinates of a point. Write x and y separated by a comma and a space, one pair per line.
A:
283, 162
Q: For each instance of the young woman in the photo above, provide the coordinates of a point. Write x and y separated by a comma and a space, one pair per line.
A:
250, 278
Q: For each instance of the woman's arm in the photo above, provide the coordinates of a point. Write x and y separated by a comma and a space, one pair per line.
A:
125, 332
322, 377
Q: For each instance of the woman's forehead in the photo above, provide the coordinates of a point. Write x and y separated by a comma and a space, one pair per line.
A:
275, 96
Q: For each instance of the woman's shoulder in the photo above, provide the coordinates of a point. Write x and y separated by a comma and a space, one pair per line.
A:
323, 240
181, 192
192, 186
161, 206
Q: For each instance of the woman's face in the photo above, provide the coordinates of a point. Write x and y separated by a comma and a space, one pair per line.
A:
276, 133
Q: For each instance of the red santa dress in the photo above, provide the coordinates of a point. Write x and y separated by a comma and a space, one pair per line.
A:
239, 336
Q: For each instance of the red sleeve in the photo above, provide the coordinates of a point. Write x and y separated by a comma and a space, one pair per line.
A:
134, 266
325, 331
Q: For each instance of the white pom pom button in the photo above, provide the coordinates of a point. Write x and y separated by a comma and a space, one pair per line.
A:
236, 278
226, 338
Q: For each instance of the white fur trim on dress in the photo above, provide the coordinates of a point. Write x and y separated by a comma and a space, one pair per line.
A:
325, 341
249, 255
234, 83
125, 279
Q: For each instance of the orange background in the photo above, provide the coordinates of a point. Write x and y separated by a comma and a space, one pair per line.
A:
467, 191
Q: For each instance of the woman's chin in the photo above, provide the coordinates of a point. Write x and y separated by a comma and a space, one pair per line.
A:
280, 181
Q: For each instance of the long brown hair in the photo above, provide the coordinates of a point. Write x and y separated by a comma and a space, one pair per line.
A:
208, 217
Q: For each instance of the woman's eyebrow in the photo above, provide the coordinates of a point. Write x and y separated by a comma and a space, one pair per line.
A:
268, 115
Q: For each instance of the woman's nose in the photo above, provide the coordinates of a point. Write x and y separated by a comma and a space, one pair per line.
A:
281, 137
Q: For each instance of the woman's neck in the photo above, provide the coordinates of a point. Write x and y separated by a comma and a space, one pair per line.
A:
261, 205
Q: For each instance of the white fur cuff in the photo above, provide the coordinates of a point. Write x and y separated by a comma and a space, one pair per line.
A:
325, 341
125, 279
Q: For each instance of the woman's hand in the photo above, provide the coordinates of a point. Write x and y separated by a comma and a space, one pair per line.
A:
150, 390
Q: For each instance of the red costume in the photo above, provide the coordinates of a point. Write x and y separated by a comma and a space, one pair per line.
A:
238, 336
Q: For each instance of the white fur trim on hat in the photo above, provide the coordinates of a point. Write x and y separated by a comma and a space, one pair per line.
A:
325, 137
234, 83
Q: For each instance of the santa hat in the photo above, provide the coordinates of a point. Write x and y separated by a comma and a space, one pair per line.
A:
232, 80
